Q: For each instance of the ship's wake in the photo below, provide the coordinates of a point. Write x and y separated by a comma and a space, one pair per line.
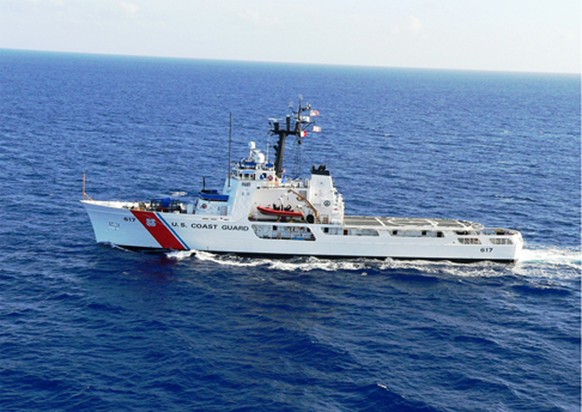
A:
559, 262
550, 262
552, 256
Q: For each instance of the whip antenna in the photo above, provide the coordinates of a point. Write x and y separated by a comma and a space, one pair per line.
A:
229, 149
85, 195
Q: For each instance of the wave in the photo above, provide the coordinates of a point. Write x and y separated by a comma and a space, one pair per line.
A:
550, 262
304, 264
534, 262
553, 256
180, 254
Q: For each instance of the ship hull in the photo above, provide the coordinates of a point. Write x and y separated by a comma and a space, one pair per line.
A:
119, 224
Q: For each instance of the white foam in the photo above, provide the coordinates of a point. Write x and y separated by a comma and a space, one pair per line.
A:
566, 257
476, 269
299, 265
548, 262
114, 246
180, 254
319, 264
227, 260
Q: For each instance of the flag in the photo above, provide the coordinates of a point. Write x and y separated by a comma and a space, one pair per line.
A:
316, 129
303, 133
314, 113
305, 119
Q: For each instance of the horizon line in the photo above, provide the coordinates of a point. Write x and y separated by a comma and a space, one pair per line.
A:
354, 65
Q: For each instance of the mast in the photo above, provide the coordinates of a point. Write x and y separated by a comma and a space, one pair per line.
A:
85, 195
228, 172
297, 130
280, 146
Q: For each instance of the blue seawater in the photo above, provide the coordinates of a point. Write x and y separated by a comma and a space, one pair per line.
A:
90, 327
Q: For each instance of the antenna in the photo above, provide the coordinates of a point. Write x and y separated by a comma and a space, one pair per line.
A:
85, 195
229, 149
298, 129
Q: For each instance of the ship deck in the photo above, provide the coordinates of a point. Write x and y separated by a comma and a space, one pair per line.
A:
399, 222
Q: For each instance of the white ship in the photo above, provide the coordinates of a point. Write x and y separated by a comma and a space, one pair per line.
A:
260, 211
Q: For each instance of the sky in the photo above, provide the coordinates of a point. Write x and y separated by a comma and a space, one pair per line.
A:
500, 35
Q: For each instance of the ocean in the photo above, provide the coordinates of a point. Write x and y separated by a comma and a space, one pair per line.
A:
85, 326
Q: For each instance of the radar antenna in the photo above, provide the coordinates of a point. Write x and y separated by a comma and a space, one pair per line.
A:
303, 124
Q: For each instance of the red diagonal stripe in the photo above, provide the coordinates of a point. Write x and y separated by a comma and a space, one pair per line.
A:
158, 230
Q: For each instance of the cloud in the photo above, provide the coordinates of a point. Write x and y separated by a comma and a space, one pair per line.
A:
31, 6
130, 8
259, 18
413, 25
